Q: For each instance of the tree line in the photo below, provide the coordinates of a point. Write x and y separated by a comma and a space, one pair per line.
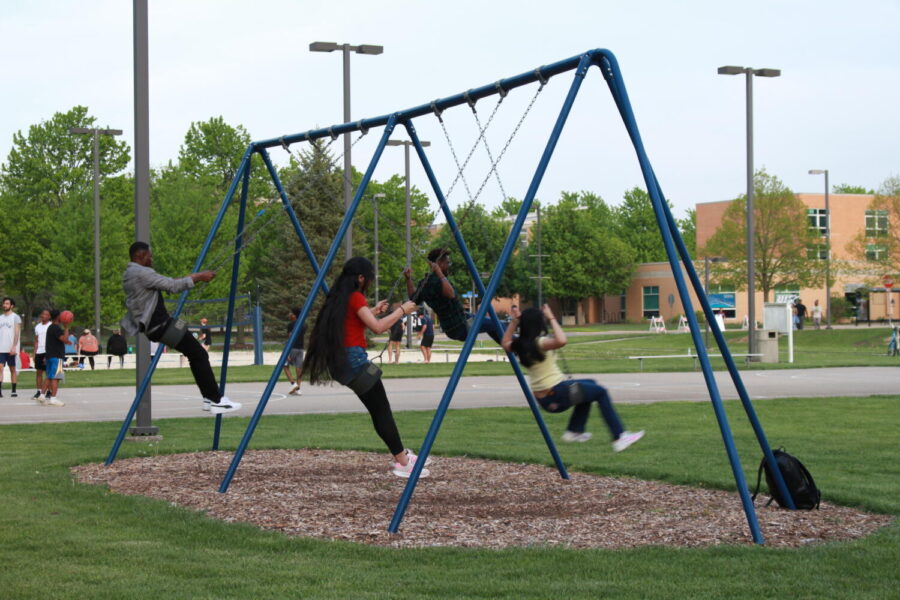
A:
590, 247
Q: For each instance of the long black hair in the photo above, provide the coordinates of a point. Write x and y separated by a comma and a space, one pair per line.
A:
326, 342
531, 327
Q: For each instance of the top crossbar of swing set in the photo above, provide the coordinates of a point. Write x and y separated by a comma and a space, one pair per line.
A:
502, 87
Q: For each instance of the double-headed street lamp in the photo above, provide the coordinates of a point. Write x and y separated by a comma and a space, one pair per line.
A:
406, 144
96, 133
346, 49
827, 246
751, 265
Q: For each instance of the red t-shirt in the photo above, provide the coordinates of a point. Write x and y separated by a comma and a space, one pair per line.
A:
354, 328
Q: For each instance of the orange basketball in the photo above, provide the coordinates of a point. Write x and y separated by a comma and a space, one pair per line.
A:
66, 317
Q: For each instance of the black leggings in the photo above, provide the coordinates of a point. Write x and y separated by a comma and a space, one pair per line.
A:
200, 367
376, 402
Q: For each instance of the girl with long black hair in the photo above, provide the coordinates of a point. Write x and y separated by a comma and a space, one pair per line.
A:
535, 350
337, 351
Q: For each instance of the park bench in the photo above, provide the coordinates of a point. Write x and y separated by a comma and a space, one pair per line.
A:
690, 354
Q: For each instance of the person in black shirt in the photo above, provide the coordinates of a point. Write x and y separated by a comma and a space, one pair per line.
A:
55, 356
801, 313
295, 358
205, 338
117, 345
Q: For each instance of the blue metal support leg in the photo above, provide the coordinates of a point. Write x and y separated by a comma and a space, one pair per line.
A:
613, 77
203, 252
451, 223
229, 320
490, 291
307, 306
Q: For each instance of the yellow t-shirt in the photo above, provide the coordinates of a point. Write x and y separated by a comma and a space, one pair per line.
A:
545, 374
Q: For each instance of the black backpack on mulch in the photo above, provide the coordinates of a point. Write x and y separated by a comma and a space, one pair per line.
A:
797, 479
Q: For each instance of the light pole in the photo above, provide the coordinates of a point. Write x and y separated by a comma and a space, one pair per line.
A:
751, 264
827, 246
346, 49
375, 211
96, 133
706, 261
406, 144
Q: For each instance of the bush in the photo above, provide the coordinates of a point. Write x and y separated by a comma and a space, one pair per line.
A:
841, 307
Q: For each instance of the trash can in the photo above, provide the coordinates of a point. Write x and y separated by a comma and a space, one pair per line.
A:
766, 345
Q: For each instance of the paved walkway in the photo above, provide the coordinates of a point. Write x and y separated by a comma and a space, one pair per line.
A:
112, 403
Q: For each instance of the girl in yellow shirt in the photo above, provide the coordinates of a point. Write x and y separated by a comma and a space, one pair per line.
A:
535, 350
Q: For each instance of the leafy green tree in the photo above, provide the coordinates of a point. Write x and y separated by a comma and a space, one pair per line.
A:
392, 231
846, 188
688, 228
212, 152
635, 224
47, 203
585, 257
782, 240
277, 264
50, 164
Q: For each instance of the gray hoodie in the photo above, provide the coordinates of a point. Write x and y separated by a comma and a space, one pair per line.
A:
141, 286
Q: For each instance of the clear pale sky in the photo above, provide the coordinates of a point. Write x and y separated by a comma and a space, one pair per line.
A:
834, 107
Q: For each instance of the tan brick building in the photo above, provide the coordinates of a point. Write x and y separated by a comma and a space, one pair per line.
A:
653, 292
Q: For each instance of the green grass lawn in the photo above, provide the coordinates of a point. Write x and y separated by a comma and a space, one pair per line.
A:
59, 539
589, 353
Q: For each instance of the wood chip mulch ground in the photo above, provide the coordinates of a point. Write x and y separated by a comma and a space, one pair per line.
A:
466, 502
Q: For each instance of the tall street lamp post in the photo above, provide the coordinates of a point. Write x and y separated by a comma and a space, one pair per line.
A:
346, 49
375, 199
751, 265
96, 133
406, 144
827, 246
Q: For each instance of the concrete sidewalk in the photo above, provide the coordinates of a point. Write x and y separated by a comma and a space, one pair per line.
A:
112, 403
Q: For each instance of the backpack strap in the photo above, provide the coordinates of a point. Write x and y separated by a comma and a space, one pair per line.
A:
762, 465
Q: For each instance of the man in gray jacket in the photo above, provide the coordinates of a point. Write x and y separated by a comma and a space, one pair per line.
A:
147, 314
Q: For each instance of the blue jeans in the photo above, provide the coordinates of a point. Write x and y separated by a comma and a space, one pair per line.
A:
558, 401
487, 326
357, 357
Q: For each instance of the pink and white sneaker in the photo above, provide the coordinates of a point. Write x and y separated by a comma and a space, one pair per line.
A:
405, 470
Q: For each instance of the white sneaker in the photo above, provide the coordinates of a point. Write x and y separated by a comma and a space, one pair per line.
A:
405, 470
223, 406
574, 436
206, 404
626, 439
295, 390
54, 402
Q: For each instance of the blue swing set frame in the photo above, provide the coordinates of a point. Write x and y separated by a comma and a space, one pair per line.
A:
677, 254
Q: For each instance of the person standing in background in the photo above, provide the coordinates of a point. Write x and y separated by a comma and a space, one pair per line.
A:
817, 314
116, 345
56, 356
87, 346
295, 357
205, 338
10, 330
40, 352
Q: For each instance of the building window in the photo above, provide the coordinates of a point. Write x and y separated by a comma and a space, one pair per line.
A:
817, 252
722, 299
876, 223
651, 301
818, 220
623, 303
876, 252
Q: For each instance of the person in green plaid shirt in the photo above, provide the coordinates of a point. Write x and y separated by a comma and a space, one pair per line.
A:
437, 291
